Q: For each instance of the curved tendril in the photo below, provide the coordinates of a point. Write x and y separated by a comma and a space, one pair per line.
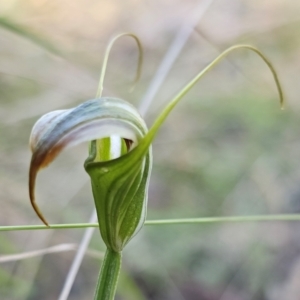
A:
161, 118
107, 52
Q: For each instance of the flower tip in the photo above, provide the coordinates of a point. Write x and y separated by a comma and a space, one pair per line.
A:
38, 212
32, 177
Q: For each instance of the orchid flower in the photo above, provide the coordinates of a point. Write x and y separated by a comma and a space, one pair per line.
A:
119, 162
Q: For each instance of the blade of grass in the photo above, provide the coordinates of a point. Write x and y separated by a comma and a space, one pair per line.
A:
29, 35
54, 249
82, 249
204, 220
171, 55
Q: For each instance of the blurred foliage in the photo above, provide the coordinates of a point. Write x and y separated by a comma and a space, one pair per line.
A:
27, 34
227, 149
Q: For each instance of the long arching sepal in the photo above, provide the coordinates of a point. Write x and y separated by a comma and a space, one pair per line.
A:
93, 119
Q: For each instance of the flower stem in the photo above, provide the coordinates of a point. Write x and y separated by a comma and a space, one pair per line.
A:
108, 277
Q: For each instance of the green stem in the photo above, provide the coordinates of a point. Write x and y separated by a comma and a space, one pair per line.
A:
110, 269
108, 277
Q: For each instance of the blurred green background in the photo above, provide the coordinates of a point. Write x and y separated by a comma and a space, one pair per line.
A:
227, 149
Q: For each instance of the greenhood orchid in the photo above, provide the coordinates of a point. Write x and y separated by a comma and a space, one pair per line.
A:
119, 162
119, 189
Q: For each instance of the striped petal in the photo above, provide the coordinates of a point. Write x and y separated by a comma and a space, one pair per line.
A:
91, 120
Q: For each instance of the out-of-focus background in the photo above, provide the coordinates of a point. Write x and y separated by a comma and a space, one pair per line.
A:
227, 149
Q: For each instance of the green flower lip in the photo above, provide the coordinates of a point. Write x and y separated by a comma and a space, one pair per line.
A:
91, 120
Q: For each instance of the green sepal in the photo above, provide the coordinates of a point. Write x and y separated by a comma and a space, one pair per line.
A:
120, 190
